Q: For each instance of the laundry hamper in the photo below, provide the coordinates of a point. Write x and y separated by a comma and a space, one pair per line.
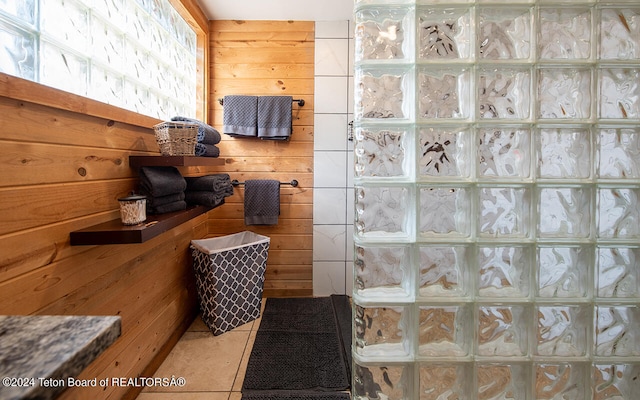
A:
230, 276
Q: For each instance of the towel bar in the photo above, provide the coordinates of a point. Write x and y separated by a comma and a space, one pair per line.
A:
299, 101
294, 182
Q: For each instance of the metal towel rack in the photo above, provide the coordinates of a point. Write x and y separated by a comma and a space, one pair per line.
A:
294, 182
299, 101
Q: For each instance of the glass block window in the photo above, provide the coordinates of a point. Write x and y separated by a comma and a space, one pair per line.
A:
498, 242
136, 54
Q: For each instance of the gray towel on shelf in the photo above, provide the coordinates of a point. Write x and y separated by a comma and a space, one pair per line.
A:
161, 181
209, 199
240, 116
261, 202
206, 150
171, 207
219, 183
207, 134
153, 201
274, 117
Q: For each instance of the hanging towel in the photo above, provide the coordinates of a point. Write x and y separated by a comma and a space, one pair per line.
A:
219, 183
274, 117
207, 134
207, 150
161, 181
240, 116
261, 202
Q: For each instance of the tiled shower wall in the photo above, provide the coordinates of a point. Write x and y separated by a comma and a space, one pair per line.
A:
497, 187
333, 159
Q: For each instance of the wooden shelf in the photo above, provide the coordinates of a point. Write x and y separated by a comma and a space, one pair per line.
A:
175, 161
113, 232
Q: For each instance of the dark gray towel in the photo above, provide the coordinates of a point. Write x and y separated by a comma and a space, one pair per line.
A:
261, 202
219, 183
161, 181
240, 116
207, 134
274, 117
209, 199
171, 207
162, 200
206, 150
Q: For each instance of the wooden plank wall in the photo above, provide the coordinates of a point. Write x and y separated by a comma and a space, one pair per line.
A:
64, 170
269, 58
65, 162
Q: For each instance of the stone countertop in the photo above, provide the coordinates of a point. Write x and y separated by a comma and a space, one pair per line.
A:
38, 354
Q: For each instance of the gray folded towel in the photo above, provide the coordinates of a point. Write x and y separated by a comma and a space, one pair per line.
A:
207, 134
206, 150
171, 207
219, 183
261, 202
209, 199
161, 181
240, 116
274, 117
153, 201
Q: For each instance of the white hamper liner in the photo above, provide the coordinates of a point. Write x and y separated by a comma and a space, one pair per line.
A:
230, 276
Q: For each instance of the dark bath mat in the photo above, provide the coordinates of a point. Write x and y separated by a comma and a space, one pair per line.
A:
342, 310
296, 395
299, 351
298, 315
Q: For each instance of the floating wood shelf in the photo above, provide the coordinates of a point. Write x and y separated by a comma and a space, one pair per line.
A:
175, 161
113, 232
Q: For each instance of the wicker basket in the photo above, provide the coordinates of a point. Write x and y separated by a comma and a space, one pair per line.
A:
176, 138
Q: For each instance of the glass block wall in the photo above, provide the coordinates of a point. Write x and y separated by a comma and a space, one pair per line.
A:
497, 214
136, 54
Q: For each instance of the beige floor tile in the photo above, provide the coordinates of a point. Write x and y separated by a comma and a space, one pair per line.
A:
206, 362
213, 366
256, 323
198, 325
186, 396
253, 325
237, 385
246, 327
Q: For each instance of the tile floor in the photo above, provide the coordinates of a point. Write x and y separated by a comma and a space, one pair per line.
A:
212, 366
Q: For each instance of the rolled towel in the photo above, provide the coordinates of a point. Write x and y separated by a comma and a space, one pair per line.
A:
207, 134
171, 207
212, 183
161, 181
207, 150
209, 199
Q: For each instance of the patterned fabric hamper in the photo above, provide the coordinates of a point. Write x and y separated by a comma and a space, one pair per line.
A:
230, 276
